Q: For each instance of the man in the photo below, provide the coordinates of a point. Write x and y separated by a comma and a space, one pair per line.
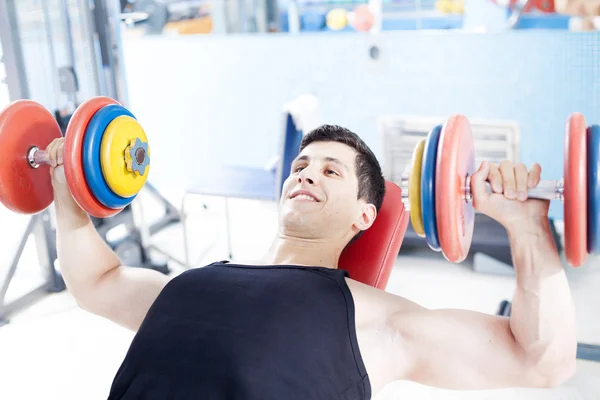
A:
293, 326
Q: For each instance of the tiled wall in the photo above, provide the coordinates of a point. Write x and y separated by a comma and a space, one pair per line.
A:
217, 100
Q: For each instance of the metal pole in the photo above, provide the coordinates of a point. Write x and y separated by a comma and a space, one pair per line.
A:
70, 46
107, 20
89, 31
50, 42
16, 77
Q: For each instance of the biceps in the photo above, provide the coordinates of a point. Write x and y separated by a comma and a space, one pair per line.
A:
125, 294
462, 350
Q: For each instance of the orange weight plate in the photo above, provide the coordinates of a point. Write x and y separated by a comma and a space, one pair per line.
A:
23, 125
455, 162
575, 190
74, 158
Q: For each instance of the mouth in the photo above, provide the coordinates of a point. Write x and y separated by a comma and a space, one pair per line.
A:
304, 196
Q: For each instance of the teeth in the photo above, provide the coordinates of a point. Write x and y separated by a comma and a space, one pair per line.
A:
305, 197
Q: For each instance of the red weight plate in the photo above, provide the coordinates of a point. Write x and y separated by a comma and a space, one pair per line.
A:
74, 158
455, 162
545, 5
24, 124
575, 190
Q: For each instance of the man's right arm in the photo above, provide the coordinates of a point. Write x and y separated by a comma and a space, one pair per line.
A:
93, 272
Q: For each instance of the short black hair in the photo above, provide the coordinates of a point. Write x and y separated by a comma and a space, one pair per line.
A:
371, 182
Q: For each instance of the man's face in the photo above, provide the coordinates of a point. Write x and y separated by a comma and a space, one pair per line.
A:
319, 198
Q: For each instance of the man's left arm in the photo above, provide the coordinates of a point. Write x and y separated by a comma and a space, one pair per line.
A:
536, 346
542, 314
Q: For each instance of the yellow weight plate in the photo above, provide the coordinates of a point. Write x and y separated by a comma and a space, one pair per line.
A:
414, 190
117, 137
337, 19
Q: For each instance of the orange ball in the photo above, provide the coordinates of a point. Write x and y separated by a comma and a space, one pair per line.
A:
363, 18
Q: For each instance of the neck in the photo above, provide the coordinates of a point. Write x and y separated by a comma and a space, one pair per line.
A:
298, 251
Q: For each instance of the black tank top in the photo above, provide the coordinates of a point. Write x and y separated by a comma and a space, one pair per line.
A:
228, 331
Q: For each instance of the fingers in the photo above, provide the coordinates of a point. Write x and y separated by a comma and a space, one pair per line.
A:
495, 179
535, 175
55, 152
521, 179
513, 180
508, 179
51, 153
60, 152
478, 179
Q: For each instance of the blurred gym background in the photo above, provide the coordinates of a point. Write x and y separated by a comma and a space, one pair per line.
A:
216, 84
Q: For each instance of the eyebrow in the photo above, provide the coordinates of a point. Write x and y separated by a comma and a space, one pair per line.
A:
328, 159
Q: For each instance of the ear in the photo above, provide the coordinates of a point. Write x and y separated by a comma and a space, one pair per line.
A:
366, 217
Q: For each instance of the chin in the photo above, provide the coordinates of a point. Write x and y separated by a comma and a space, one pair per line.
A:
294, 221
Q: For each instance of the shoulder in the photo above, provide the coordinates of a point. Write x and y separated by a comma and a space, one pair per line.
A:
378, 315
377, 307
385, 303
387, 313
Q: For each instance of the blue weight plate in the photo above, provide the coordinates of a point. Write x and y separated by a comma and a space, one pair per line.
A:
428, 188
593, 226
313, 21
91, 156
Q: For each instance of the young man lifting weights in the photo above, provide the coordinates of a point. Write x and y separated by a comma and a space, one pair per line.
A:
293, 326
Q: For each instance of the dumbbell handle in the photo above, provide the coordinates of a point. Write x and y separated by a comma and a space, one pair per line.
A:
37, 157
545, 190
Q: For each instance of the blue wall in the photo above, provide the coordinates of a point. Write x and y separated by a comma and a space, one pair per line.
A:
217, 100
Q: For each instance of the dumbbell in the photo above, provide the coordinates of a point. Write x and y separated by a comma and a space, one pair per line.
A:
437, 190
106, 156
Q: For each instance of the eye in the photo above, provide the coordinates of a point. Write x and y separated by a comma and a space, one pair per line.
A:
330, 171
298, 169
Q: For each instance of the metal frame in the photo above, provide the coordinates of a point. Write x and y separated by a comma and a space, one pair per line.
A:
104, 23
144, 231
18, 87
187, 263
139, 232
39, 225
108, 14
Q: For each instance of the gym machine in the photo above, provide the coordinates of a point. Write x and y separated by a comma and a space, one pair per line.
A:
133, 244
41, 228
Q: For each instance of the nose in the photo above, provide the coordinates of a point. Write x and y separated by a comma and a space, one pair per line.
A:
306, 176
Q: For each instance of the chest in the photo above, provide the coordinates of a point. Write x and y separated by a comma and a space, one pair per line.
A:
280, 332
